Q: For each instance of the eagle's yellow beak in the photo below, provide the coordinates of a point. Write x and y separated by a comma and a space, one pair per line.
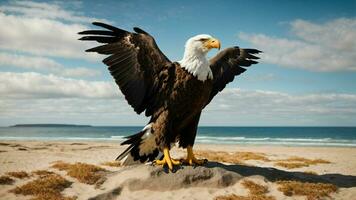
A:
212, 43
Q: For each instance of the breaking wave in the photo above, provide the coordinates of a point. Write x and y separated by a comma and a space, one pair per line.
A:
276, 141
221, 140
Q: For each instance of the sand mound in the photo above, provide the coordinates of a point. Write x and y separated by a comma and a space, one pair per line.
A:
158, 179
142, 180
186, 177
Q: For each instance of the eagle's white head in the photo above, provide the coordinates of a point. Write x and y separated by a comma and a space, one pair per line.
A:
194, 59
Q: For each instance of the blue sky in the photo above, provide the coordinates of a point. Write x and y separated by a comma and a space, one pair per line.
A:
306, 76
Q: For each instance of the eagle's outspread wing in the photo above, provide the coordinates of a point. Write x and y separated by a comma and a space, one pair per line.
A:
229, 63
135, 62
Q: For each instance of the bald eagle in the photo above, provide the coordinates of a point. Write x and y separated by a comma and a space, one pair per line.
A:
172, 94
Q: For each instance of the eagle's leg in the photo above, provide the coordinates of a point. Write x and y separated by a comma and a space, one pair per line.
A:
167, 160
191, 159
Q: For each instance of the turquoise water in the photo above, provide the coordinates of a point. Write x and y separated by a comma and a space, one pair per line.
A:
289, 136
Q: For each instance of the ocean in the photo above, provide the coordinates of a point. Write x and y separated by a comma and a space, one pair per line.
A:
285, 136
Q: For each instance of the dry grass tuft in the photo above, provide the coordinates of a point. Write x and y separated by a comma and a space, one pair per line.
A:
85, 173
47, 187
60, 165
311, 172
112, 164
297, 162
20, 174
291, 165
219, 156
256, 192
6, 180
236, 197
234, 158
254, 188
52, 197
313, 191
42, 172
251, 156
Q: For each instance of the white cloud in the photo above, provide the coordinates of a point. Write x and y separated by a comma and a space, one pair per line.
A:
69, 110
36, 98
28, 27
28, 62
339, 34
237, 100
256, 107
44, 64
330, 46
44, 10
35, 85
77, 72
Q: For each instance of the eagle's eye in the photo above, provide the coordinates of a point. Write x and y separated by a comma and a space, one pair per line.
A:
203, 39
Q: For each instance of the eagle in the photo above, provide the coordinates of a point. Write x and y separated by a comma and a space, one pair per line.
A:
171, 94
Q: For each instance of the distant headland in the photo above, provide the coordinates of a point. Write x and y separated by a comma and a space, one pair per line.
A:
49, 125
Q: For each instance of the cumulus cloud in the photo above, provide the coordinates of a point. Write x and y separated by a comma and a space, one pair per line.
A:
27, 62
77, 72
262, 101
37, 98
44, 10
325, 47
259, 107
29, 27
34, 85
93, 111
44, 64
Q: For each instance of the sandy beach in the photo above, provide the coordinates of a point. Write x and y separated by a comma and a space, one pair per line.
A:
231, 172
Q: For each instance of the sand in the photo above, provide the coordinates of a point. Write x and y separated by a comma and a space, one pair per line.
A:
214, 179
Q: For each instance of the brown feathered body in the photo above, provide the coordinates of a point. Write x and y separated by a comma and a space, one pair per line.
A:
171, 96
178, 116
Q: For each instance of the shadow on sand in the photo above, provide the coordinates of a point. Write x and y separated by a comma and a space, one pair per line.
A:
273, 174
211, 174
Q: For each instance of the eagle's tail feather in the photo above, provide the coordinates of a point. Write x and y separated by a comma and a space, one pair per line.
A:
142, 147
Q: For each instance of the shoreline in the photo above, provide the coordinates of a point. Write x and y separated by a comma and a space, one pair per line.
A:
118, 141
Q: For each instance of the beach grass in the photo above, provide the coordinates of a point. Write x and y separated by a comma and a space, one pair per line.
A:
42, 172
234, 158
256, 192
112, 164
254, 188
6, 180
291, 165
237, 197
298, 162
20, 174
84, 173
312, 191
48, 187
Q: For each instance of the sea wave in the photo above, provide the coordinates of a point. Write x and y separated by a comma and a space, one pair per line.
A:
219, 140
58, 138
277, 141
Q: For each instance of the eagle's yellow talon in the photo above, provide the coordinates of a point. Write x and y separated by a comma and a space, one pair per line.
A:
167, 160
175, 162
191, 160
160, 162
